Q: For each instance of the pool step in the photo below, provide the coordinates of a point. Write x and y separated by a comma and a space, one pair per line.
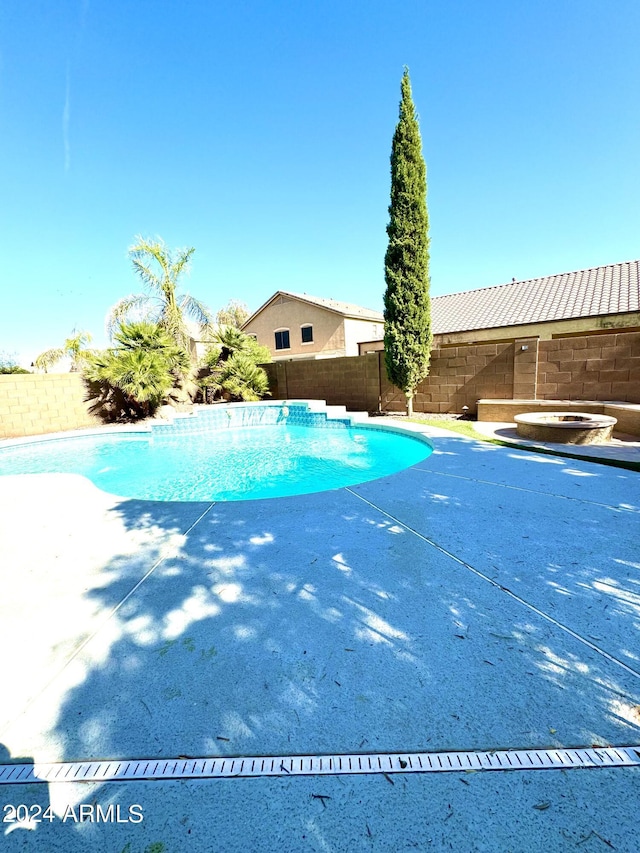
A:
338, 412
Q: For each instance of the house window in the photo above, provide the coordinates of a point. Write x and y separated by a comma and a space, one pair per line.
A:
282, 339
307, 334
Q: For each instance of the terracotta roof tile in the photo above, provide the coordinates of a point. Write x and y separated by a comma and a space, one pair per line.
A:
612, 289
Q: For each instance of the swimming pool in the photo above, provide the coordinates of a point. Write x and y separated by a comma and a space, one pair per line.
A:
226, 453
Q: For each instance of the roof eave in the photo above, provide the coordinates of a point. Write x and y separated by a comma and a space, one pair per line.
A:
300, 298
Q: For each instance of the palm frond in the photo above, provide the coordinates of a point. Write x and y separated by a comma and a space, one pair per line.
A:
147, 275
243, 379
146, 252
139, 302
181, 264
141, 375
77, 341
196, 310
151, 249
151, 337
235, 313
75, 348
48, 358
173, 322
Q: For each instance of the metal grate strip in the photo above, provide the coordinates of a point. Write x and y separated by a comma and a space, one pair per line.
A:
225, 767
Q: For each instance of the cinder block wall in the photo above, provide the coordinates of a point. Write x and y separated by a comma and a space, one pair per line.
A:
352, 381
33, 404
590, 367
461, 375
587, 367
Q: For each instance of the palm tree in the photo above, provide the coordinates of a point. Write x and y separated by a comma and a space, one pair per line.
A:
242, 379
233, 360
151, 337
230, 340
74, 348
226, 341
139, 373
160, 270
233, 314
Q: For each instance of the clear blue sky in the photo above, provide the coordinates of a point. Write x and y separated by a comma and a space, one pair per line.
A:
259, 132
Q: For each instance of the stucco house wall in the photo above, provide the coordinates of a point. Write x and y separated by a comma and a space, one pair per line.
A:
334, 333
360, 330
328, 329
544, 331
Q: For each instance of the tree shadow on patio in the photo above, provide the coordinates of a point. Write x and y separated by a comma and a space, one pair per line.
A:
303, 625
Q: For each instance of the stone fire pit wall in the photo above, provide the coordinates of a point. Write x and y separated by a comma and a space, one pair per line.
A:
565, 427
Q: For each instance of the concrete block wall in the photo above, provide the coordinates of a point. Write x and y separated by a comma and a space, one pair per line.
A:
504, 411
525, 368
590, 367
34, 404
628, 417
351, 381
586, 367
460, 375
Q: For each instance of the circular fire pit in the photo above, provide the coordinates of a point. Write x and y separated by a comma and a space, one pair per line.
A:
565, 427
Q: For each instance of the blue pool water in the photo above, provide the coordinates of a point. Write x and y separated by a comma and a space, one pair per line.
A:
204, 459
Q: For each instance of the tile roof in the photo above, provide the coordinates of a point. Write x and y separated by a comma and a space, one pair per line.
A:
345, 308
612, 289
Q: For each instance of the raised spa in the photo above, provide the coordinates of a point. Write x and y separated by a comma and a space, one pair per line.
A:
565, 427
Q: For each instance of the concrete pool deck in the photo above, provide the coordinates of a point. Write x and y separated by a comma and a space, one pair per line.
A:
485, 599
621, 447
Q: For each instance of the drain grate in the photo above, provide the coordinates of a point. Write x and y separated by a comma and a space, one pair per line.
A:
319, 765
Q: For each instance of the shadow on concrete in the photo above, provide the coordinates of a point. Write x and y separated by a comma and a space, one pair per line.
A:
317, 624
323, 623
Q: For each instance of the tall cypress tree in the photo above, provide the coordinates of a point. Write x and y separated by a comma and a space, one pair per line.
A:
407, 306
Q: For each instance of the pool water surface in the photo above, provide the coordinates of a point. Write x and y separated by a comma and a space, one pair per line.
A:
223, 464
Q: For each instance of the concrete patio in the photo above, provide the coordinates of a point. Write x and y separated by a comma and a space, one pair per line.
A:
487, 598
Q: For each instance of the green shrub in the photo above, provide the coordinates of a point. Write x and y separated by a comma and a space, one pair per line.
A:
233, 360
242, 379
131, 380
12, 368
